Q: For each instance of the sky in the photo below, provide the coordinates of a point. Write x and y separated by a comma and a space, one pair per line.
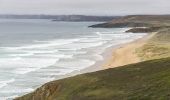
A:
85, 7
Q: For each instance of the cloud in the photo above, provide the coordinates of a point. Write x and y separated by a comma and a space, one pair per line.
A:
92, 7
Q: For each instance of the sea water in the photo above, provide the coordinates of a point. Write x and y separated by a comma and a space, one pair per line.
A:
33, 52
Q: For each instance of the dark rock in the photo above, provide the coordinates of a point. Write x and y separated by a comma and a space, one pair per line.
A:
121, 25
144, 30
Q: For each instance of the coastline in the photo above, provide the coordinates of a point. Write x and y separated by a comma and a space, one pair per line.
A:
111, 53
109, 56
108, 60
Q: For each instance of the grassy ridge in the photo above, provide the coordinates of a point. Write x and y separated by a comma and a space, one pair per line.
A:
148, 80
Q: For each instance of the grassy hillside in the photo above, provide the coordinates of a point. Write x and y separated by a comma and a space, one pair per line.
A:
148, 80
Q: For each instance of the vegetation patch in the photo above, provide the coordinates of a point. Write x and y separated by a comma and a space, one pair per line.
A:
153, 51
148, 80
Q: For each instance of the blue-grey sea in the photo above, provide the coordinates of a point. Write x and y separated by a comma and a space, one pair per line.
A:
34, 51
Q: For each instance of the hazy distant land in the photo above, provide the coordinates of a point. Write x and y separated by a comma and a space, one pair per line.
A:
71, 18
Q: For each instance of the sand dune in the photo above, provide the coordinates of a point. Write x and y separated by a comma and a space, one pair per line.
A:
126, 53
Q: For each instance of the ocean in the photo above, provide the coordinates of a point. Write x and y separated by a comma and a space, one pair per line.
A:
36, 51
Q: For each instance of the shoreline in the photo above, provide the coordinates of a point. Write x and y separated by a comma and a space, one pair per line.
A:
99, 65
107, 59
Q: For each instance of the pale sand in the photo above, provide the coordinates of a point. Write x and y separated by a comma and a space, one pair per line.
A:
114, 56
126, 54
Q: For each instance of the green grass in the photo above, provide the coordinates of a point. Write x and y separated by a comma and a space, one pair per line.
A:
157, 47
148, 80
162, 36
153, 50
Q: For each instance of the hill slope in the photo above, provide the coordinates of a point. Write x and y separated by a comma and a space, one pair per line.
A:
137, 21
148, 80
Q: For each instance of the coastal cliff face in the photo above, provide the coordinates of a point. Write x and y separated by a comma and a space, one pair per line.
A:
46, 92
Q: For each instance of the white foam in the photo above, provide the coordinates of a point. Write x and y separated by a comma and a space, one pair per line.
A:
24, 70
59, 56
91, 40
6, 82
33, 52
26, 65
21, 55
8, 97
81, 45
98, 57
41, 51
44, 45
15, 90
58, 72
11, 97
76, 64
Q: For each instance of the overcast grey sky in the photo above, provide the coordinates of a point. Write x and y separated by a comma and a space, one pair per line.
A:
90, 7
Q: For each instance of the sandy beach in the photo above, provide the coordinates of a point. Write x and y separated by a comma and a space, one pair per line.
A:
115, 56
125, 54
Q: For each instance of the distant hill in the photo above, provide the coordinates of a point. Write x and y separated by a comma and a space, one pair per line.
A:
136, 21
62, 17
